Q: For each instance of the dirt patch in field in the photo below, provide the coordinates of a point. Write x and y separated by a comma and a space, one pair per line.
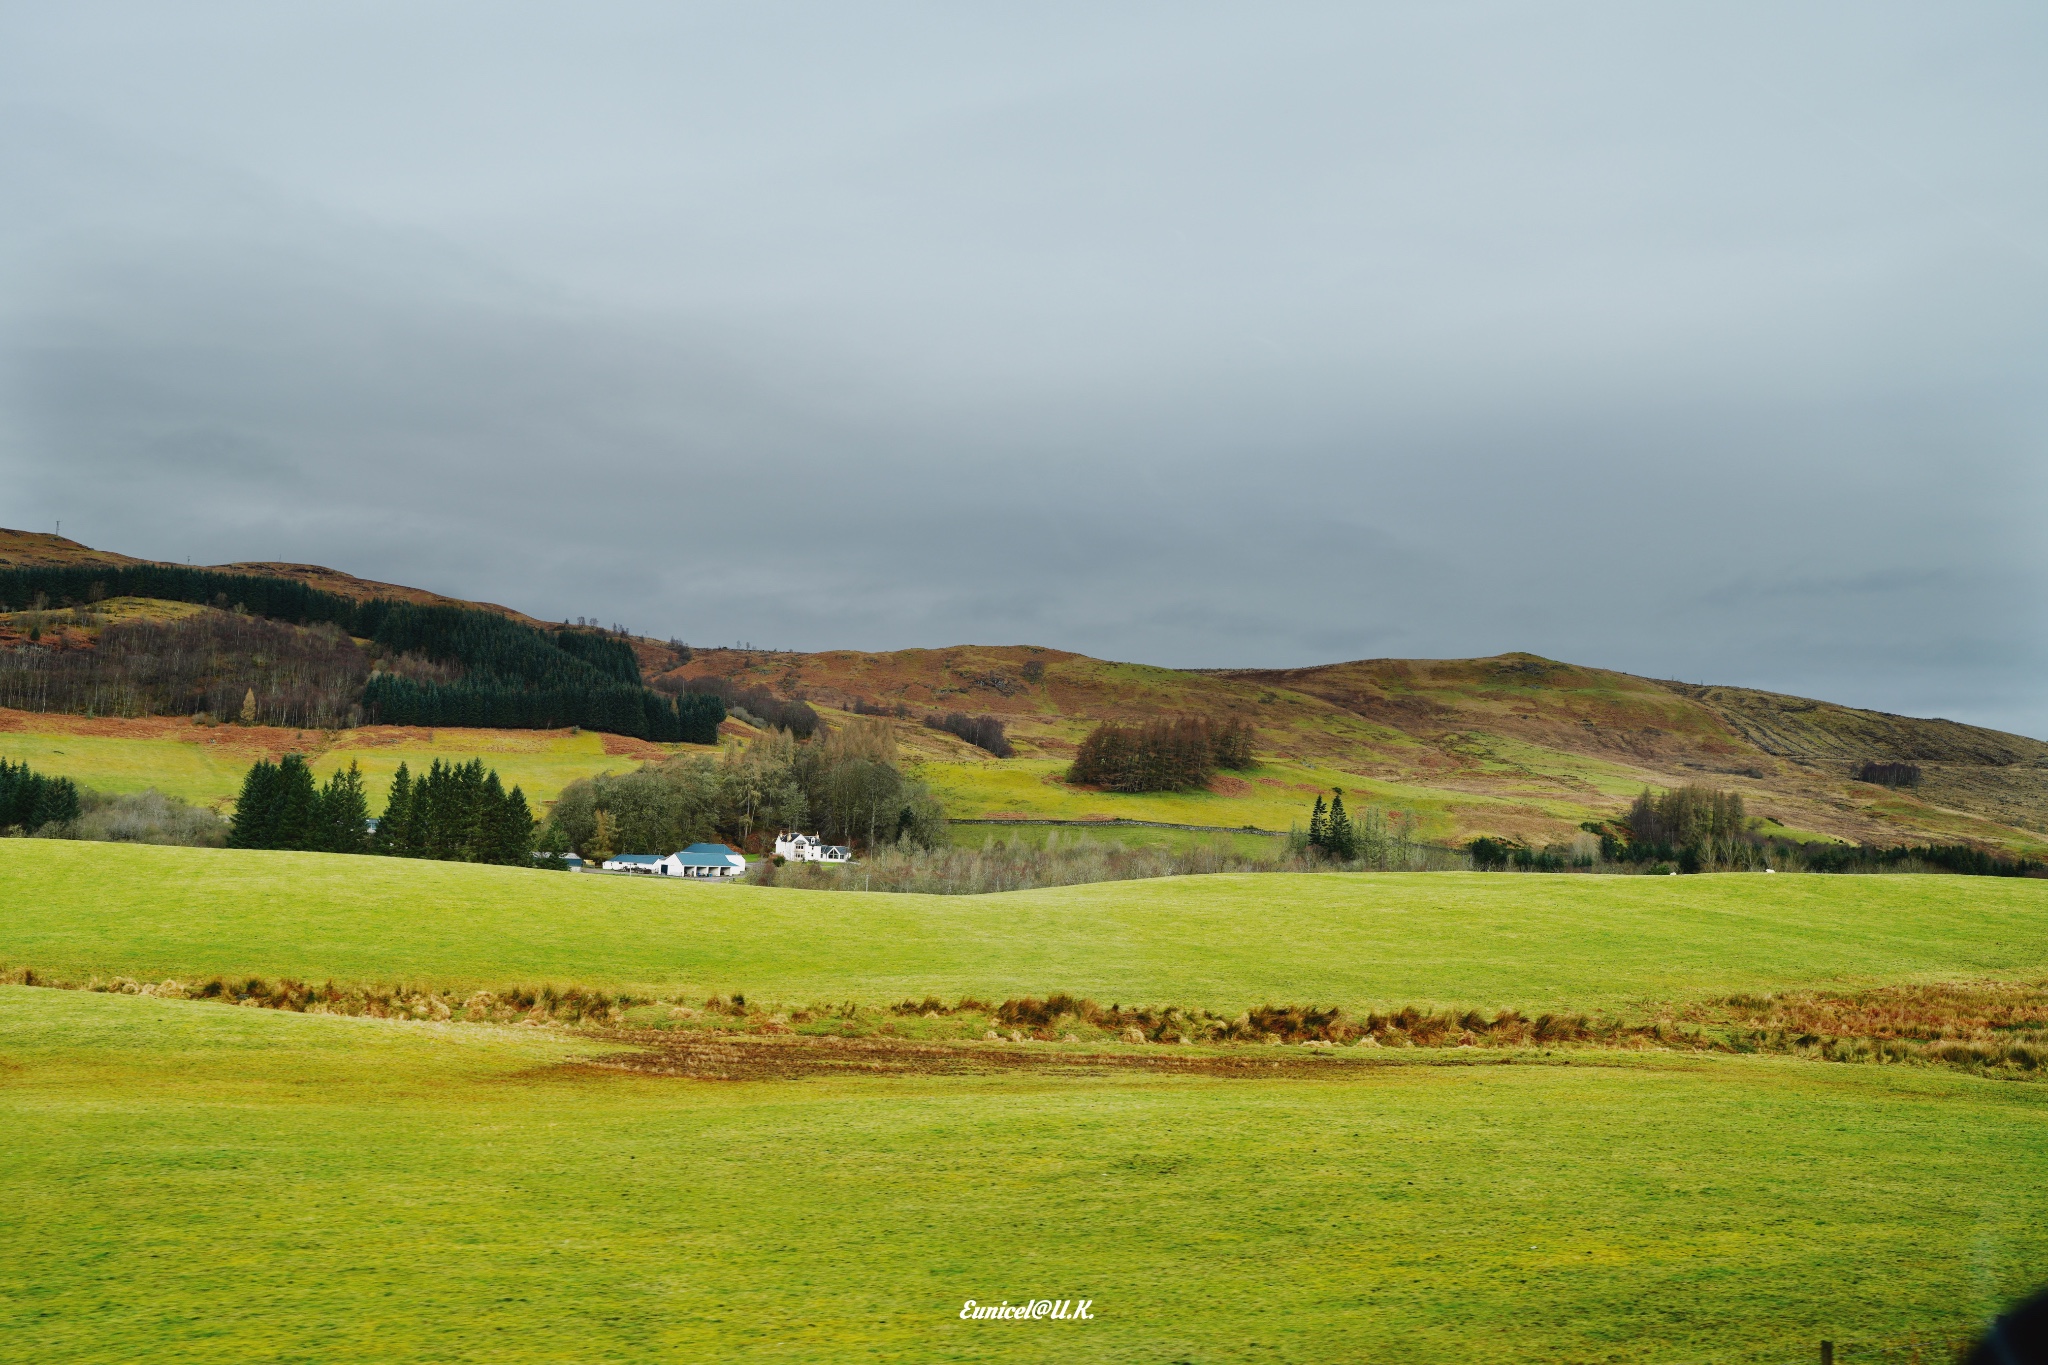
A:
729, 1057
625, 746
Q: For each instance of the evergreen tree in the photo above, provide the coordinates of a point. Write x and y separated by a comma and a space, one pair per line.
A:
394, 826
297, 802
342, 813
255, 821
508, 826
1318, 825
1339, 837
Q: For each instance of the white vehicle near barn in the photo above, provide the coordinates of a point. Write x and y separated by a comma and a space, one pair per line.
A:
809, 848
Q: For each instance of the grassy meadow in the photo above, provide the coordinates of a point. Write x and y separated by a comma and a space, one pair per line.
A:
184, 1181
187, 1182
1484, 940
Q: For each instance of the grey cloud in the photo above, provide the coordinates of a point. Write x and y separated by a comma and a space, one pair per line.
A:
1697, 342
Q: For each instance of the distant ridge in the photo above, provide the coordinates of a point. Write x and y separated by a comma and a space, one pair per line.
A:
39, 548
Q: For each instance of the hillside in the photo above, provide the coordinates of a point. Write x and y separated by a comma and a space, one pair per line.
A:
1514, 745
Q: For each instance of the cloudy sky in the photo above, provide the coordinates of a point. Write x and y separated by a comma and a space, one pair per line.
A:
1698, 341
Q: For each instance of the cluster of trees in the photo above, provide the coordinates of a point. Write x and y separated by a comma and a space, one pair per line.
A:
1371, 840
1165, 755
756, 705
847, 786
29, 800
983, 732
1890, 774
457, 812
282, 806
1698, 828
1330, 831
497, 671
211, 663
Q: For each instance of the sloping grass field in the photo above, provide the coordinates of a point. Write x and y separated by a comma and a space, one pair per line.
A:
181, 1181
1486, 940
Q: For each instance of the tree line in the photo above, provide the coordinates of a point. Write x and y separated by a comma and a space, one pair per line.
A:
29, 800
457, 812
502, 672
983, 732
1164, 755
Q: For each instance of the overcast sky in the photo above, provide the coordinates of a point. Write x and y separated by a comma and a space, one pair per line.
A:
1698, 341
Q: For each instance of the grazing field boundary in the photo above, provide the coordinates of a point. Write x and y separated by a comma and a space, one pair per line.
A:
1988, 1028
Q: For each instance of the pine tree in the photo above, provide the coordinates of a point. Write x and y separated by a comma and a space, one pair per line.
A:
1338, 835
1318, 825
394, 826
508, 826
255, 821
297, 803
249, 707
343, 811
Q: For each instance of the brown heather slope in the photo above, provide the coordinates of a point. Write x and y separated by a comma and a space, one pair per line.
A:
1514, 744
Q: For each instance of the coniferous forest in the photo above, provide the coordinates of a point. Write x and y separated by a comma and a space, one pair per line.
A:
425, 665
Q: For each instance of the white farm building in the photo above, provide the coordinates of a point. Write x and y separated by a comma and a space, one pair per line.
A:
704, 860
809, 848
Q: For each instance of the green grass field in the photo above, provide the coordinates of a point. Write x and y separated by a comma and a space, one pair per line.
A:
184, 1181
190, 1182
1474, 939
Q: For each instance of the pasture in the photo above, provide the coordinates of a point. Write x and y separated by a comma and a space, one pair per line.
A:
1485, 940
182, 1181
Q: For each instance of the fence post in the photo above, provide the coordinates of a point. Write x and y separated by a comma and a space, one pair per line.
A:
1827, 1353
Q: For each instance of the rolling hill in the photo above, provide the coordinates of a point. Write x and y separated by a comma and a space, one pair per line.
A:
1514, 745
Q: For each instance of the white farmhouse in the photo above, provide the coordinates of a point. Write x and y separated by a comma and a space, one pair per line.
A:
703, 860
644, 863
809, 848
